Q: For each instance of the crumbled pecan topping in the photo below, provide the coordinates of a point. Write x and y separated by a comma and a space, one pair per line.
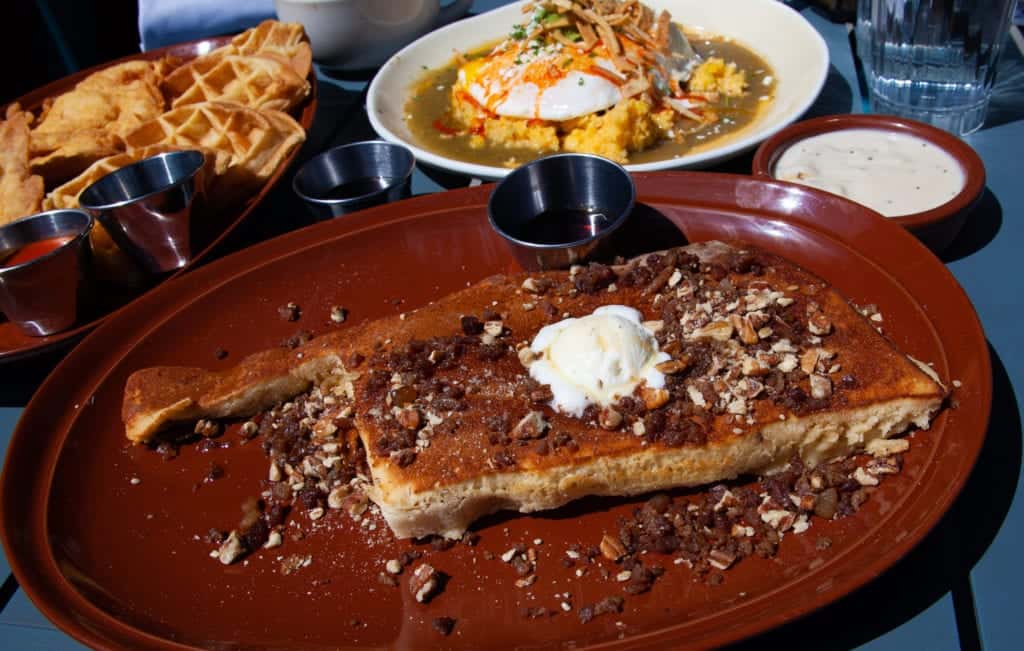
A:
612, 548
338, 314
425, 583
207, 428
531, 426
608, 605
594, 278
289, 312
443, 625
299, 338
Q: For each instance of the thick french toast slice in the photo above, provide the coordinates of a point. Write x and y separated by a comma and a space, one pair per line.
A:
767, 362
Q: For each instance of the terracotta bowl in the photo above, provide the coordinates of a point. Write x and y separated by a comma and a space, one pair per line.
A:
936, 228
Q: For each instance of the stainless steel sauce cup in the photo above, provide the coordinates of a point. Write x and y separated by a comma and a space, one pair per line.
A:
580, 186
355, 176
147, 208
46, 294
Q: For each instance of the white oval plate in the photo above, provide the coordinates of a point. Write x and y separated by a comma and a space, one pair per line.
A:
782, 37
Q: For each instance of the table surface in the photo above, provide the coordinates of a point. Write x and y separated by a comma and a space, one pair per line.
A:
962, 586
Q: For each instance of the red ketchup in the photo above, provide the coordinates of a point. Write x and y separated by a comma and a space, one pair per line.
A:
35, 250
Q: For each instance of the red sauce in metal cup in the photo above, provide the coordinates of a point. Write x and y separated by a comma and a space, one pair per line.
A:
35, 250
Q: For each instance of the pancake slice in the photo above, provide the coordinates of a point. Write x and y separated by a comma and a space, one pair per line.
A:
764, 362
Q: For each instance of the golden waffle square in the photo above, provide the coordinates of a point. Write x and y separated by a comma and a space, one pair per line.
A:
259, 82
248, 145
283, 41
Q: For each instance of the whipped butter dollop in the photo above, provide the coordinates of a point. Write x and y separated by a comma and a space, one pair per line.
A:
596, 359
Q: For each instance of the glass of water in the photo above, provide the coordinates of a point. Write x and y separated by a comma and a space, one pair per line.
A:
933, 60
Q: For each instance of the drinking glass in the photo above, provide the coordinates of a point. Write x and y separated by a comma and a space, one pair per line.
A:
933, 60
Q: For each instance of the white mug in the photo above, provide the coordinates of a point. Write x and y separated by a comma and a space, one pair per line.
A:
357, 34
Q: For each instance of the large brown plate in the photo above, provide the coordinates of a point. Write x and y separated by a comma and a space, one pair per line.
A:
121, 566
15, 344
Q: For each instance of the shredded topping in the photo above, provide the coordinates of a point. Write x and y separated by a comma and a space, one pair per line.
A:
649, 53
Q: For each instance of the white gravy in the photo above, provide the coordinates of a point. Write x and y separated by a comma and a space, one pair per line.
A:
892, 173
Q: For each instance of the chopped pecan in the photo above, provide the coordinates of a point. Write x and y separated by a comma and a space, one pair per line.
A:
537, 286
526, 356
425, 583
659, 281
289, 312
673, 366
443, 625
494, 328
409, 418
207, 428
815, 360
654, 398
612, 548
338, 314
404, 457
753, 366
403, 395
231, 549
717, 330
471, 325
819, 324
609, 419
744, 329
542, 395
821, 386
721, 558
531, 426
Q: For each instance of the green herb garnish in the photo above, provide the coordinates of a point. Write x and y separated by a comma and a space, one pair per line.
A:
518, 32
549, 17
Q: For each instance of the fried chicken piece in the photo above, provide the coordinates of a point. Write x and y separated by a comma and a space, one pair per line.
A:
85, 124
21, 192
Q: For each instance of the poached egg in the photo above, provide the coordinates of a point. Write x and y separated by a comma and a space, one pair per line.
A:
544, 82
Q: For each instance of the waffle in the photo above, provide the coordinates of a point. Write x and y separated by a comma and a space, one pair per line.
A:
66, 195
259, 82
247, 145
283, 41
71, 153
286, 40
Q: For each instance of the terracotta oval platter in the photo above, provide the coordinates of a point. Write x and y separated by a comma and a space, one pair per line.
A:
14, 344
107, 538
